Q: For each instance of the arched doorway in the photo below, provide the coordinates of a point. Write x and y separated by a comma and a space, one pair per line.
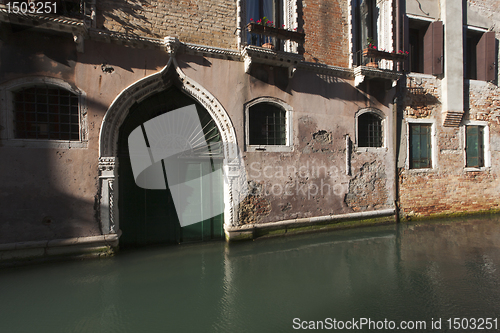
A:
149, 216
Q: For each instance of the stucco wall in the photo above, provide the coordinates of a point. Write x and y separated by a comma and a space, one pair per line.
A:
51, 193
289, 185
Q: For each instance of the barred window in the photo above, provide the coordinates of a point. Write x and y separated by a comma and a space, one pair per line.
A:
369, 130
267, 125
46, 112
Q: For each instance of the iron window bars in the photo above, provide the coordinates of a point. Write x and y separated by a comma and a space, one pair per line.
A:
46, 112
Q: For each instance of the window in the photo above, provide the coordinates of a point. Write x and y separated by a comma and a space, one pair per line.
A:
474, 148
365, 26
420, 146
258, 9
268, 125
479, 55
46, 112
369, 130
426, 46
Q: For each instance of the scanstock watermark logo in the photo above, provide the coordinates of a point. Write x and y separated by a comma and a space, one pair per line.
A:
175, 151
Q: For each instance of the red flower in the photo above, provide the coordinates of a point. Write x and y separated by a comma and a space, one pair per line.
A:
374, 47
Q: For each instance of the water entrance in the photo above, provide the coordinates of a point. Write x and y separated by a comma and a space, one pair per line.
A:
414, 273
149, 216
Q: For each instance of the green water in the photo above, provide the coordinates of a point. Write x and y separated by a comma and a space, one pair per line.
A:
424, 272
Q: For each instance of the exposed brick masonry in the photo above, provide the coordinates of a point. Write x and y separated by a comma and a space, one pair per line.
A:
207, 22
326, 28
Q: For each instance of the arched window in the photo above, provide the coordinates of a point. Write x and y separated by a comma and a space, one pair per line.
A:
46, 112
268, 125
370, 130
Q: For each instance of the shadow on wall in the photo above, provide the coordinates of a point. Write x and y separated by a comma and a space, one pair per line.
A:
127, 14
327, 86
47, 194
20, 42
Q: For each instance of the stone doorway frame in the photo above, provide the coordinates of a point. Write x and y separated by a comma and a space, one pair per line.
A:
170, 75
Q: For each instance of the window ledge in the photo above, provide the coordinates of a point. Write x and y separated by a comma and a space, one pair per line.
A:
477, 83
426, 170
58, 144
474, 169
269, 148
421, 75
370, 149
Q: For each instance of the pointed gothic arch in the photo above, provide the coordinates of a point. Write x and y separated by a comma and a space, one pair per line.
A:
170, 75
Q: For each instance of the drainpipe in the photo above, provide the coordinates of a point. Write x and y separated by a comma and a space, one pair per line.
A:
399, 12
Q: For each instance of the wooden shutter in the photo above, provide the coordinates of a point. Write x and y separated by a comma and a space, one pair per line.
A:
433, 49
420, 146
474, 149
486, 57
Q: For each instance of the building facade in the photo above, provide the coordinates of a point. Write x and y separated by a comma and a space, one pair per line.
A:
311, 97
448, 156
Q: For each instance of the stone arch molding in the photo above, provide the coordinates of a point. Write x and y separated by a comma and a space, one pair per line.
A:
170, 75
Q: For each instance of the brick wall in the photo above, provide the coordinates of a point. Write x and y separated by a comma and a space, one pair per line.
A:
449, 188
326, 28
207, 22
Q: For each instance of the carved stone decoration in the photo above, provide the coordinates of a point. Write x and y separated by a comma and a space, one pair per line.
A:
118, 111
171, 45
111, 207
107, 207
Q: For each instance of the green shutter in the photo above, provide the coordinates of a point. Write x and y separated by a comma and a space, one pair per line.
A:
420, 146
474, 148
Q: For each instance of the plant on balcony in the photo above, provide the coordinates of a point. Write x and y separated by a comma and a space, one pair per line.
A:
372, 52
266, 27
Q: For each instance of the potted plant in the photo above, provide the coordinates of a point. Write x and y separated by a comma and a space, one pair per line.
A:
267, 28
373, 53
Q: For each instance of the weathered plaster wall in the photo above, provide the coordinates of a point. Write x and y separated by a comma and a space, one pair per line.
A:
449, 188
50, 193
483, 13
207, 22
425, 8
311, 180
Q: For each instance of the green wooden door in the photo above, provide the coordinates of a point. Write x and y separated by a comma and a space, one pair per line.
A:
150, 216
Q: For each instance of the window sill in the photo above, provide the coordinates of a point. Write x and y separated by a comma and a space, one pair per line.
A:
269, 148
423, 170
474, 169
58, 144
421, 75
370, 149
477, 83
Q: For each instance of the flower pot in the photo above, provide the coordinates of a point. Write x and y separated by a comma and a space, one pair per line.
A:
283, 34
268, 46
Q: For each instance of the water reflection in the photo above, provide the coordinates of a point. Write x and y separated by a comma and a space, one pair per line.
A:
406, 272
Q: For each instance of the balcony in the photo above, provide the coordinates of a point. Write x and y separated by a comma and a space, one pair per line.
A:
374, 63
271, 37
375, 58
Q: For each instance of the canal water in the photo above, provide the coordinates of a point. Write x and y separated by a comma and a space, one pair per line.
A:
408, 274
